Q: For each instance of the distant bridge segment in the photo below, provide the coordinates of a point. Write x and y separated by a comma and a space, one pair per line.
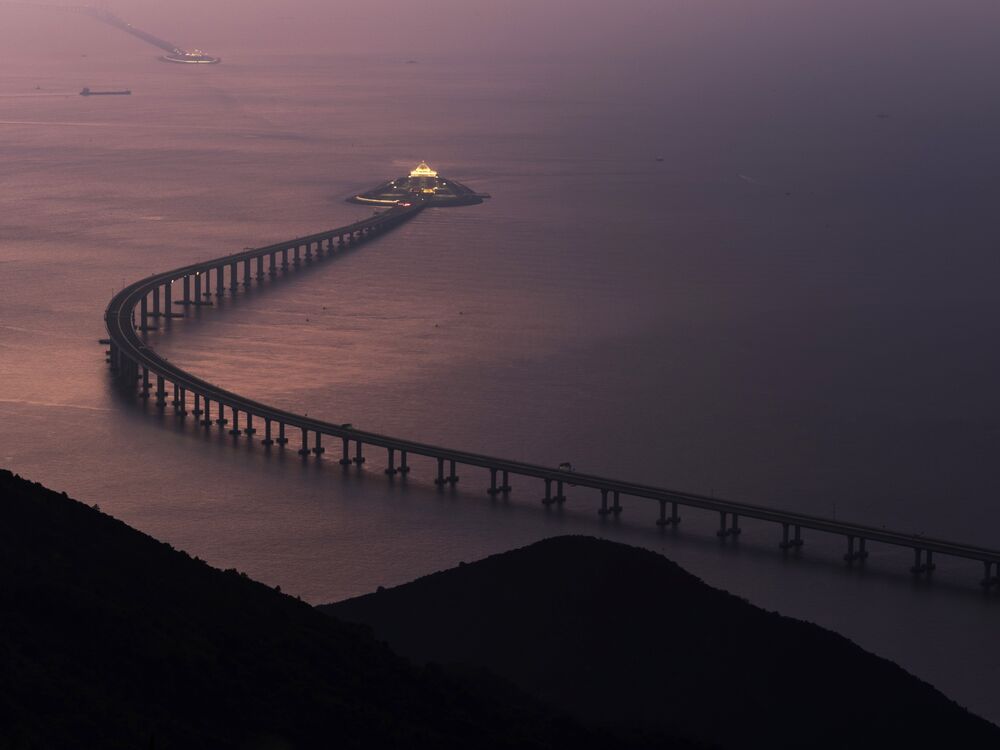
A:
141, 306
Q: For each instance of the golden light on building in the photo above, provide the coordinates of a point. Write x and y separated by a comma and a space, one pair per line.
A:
423, 170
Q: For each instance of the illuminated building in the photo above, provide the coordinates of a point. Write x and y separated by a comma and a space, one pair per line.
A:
424, 182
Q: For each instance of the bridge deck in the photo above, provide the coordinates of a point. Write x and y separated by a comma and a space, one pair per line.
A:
126, 341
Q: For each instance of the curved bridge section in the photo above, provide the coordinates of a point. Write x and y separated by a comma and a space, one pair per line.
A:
139, 306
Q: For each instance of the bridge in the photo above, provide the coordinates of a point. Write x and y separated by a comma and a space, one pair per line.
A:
138, 307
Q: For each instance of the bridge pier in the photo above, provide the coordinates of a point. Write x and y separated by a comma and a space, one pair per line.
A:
260, 267
161, 393
234, 276
235, 431
297, 260
493, 491
143, 314
390, 470
187, 290
207, 294
560, 497
168, 304
733, 529
282, 440
860, 554
319, 450
787, 543
604, 510
304, 450
207, 421
440, 477
197, 287
284, 258
919, 564
145, 382
345, 459
222, 421
249, 428
674, 518
246, 273
403, 468
197, 405
358, 455
267, 433
182, 405
547, 500
156, 301
220, 279
988, 578
505, 483
616, 508
273, 270
452, 476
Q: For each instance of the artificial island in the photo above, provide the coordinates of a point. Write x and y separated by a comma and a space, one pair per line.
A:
424, 183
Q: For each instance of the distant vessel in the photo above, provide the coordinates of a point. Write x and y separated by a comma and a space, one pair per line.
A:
197, 57
87, 92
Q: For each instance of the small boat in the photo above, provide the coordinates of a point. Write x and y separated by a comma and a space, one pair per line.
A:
85, 91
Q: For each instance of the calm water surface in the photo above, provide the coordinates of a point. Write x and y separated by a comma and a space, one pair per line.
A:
796, 307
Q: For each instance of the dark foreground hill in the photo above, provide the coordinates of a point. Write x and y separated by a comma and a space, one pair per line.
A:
622, 636
110, 639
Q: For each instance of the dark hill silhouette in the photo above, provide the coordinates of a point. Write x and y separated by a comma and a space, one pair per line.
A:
110, 639
622, 636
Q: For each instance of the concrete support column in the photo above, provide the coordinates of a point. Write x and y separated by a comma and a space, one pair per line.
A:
282, 440
304, 450
297, 260
187, 290
197, 405
452, 476
249, 429
235, 430
547, 500
390, 469
182, 403
234, 275
493, 491
319, 449
221, 421
145, 382
273, 269
197, 288
440, 477
616, 507
358, 457
143, 314
260, 267
220, 281
505, 485
246, 273
403, 468
345, 459
168, 301
284, 258
721, 533
156, 301
604, 510
267, 433
161, 393
175, 402
207, 421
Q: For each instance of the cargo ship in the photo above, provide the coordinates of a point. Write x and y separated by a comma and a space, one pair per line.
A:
85, 91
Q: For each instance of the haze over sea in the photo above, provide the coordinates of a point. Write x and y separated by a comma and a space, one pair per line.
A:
796, 307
